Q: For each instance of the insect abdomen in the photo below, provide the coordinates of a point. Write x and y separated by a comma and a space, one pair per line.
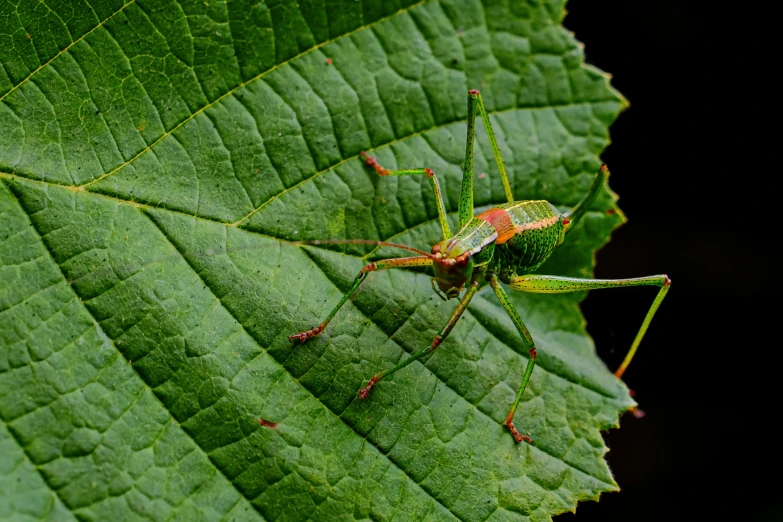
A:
525, 233
537, 231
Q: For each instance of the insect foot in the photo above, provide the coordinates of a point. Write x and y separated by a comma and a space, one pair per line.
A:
637, 413
303, 336
372, 162
365, 392
518, 437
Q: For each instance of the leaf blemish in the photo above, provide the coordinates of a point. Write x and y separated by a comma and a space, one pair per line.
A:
266, 424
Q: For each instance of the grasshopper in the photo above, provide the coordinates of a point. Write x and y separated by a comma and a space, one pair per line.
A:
506, 243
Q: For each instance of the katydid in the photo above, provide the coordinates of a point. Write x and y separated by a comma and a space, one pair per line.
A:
506, 243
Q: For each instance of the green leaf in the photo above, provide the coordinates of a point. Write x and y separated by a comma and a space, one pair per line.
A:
159, 160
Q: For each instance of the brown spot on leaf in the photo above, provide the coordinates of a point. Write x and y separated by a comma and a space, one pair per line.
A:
266, 424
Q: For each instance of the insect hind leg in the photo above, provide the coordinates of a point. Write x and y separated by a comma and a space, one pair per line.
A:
546, 284
476, 103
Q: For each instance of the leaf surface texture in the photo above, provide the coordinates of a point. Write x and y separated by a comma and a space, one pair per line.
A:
159, 161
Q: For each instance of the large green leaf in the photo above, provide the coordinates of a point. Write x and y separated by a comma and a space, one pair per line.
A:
158, 161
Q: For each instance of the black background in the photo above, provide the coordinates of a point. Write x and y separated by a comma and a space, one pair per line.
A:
690, 161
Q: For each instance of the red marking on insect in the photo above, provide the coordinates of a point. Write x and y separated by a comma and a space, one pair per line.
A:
631, 393
436, 341
474, 92
501, 222
566, 222
328, 61
666, 281
267, 424
533, 353
428, 171
611, 211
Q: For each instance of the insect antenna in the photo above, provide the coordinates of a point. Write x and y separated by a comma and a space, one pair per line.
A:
572, 216
317, 242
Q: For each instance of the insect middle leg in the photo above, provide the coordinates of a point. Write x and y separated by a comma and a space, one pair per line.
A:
475, 104
444, 332
557, 285
385, 264
433, 179
528, 343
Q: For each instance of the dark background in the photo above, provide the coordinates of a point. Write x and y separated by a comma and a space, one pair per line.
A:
690, 161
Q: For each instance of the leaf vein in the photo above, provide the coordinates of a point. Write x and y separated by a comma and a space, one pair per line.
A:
475, 407
275, 238
145, 385
37, 469
233, 90
231, 312
85, 35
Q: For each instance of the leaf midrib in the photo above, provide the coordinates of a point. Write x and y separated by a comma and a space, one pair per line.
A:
237, 223
146, 207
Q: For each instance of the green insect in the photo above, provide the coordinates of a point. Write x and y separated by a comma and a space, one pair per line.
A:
507, 243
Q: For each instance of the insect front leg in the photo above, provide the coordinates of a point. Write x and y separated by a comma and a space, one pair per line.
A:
386, 264
433, 179
557, 285
476, 102
528, 343
444, 332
